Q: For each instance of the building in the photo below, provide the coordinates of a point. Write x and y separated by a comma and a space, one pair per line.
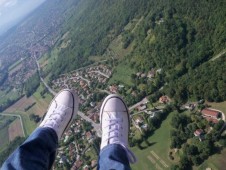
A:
151, 74
113, 89
142, 107
164, 99
210, 113
198, 132
139, 120
189, 106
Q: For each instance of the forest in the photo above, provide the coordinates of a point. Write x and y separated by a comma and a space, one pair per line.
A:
180, 37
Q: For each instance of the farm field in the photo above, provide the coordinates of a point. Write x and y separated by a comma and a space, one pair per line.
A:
39, 108
15, 130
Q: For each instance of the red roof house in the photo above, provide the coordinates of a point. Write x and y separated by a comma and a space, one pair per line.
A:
210, 113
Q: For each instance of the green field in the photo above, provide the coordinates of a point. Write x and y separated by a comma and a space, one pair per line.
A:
38, 97
49, 59
4, 136
215, 162
5, 95
122, 74
160, 144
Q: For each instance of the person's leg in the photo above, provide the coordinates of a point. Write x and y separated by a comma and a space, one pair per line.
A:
38, 151
114, 119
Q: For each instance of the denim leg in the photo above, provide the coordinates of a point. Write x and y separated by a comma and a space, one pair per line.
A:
37, 152
113, 156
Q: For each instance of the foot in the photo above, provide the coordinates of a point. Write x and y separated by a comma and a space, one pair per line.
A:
61, 112
114, 119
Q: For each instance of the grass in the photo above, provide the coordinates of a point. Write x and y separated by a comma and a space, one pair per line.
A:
91, 153
160, 144
117, 47
122, 74
220, 106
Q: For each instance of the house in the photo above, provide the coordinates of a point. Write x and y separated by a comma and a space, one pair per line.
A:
210, 113
159, 71
113, 89
209, 119
198, 132
164, 99
151, 74
88, 135
142, 107
189, 106
77, 164
138, 74
139, 120
143, 75
144, 126
94, 117
86, 167
92, 104
93, 163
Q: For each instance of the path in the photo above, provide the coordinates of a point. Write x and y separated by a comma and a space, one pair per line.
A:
218, 55
22, 126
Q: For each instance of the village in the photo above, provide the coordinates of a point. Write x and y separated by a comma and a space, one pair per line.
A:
79, 147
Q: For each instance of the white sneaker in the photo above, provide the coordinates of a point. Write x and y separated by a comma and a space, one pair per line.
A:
114, 119
61, 112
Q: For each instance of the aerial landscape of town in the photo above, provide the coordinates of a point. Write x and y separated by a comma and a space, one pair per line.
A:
176, 99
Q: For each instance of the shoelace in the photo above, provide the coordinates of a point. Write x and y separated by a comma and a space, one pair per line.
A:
115, 133
55, 117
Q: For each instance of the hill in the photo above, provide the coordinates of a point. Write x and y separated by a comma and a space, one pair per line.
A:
138, 48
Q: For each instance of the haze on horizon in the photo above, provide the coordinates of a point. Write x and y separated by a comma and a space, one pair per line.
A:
13, 11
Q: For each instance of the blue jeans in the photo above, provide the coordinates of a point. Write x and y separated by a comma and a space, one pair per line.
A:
39, 151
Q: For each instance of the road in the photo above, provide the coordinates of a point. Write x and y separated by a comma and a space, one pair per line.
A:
105, 75
144, 101
22, 126
43, 81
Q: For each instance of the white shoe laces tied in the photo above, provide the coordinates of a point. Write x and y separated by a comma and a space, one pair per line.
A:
56, 117
115, 132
